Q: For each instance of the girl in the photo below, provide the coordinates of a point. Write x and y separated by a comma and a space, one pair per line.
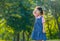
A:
38, 32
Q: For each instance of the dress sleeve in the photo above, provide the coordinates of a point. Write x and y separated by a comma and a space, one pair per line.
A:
43, 20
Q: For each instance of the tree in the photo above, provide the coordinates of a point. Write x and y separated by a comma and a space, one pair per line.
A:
17, 15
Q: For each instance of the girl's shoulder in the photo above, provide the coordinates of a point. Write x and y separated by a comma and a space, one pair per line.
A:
43, 20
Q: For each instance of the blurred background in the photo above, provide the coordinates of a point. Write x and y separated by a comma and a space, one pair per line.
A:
17, 20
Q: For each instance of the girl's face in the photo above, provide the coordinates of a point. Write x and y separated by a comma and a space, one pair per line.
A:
36, 12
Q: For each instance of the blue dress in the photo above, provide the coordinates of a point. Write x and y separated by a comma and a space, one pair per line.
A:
37, 33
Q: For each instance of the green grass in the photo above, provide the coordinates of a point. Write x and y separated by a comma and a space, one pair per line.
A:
53, 40
34, 40
48, 40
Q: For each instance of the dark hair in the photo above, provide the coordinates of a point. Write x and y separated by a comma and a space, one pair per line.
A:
40, 9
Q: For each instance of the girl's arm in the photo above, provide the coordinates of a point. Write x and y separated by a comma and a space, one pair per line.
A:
43, 21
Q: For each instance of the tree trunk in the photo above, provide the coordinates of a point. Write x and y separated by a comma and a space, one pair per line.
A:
28, 38
23, 36
18, 36
14, 38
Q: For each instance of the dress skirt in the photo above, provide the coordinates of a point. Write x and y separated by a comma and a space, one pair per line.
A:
38, 35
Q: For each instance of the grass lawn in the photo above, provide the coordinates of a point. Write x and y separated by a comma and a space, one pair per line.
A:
53, 40
2, 40
34, 40
5, 40
50, 40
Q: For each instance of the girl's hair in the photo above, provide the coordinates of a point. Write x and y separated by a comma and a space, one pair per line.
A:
40, 9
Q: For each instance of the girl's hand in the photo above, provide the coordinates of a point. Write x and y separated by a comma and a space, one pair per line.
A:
43, 21
33, 13
43, 31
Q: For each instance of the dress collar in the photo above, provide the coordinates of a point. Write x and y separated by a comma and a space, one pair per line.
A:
38, 17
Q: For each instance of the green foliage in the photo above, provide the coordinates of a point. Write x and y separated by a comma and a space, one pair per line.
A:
16, 17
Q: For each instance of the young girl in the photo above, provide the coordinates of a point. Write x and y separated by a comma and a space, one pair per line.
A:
38, 32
